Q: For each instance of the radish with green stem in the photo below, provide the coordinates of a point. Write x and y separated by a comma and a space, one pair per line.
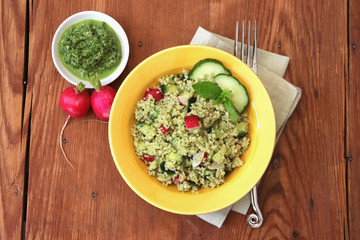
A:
101, 101
75, 102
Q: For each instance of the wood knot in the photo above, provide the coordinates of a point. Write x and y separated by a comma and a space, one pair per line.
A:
316, 93
295, 234
276, 163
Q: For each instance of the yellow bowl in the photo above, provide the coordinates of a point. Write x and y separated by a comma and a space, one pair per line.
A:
133, 170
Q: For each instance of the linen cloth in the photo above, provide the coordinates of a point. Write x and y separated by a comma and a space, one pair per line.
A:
284, 96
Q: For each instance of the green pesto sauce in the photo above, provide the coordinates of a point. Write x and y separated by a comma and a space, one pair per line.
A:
90, 50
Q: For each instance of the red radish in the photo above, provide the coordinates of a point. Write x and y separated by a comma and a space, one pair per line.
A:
177, 179
75, 102
101, 101
191, 122
164, 130
198, 159
148, 158
156, 93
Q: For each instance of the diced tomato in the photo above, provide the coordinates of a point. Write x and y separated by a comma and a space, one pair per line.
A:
164, 130
148, 158
156, 93
191, 122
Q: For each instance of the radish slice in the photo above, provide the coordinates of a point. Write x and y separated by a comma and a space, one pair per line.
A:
164, 130
215, 165
184, 98
176, 180
198, 159
191, 122
156, 93
148, 158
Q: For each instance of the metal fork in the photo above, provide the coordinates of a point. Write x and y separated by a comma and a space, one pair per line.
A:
254, 220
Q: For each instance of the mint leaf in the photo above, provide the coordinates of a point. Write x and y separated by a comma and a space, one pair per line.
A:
207, 90
231, 110
222, 98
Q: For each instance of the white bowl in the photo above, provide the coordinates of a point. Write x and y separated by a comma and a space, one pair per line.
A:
81, 16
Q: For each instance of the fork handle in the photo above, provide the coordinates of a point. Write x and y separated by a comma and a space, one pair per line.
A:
255, 220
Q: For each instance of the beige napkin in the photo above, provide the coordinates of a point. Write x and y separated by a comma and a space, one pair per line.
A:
284, 97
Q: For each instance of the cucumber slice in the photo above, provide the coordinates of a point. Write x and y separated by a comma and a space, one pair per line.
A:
223, 126
175, 143
219, 156
239, 95
193, 184
162, 166
169, 89
140, 146
163, 169
175, 157
148, 130
218, 133
242, 129
208, 66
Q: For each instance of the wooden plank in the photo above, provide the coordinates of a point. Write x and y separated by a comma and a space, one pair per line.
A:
303, 193
13, 137
353, 124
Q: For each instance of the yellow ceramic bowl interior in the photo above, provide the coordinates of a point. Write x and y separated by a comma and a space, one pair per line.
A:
134, 171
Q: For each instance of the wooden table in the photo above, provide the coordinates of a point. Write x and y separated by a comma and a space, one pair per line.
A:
309, 191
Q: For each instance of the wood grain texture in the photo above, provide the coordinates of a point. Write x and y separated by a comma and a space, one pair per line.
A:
303, 193
13, 139
353, 124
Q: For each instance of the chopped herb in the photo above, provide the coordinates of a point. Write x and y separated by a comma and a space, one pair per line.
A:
90, 50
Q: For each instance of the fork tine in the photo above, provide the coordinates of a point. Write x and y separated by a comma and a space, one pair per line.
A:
248, 47
242, 41
236, 50
254, 52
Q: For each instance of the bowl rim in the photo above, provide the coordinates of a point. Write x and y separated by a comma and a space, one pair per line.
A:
195, 212
81, 16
